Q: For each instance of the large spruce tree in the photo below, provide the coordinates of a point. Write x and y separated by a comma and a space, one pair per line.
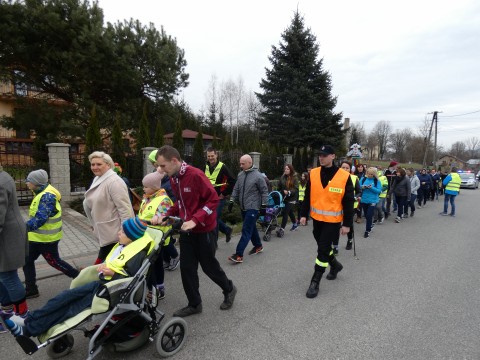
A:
299, 106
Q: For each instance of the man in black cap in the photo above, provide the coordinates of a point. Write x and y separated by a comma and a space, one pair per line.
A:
329, 199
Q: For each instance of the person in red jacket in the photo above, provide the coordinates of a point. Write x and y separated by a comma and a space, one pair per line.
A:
196, 203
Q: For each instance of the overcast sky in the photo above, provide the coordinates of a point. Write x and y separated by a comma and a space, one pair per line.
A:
394, 61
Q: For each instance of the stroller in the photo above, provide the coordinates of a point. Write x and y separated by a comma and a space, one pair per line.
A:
269, 220
128, 317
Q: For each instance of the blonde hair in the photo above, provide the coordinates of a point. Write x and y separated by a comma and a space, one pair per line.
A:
107, 159
372, 171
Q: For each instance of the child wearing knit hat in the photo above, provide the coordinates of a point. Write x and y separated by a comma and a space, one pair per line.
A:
155, 204
124, 260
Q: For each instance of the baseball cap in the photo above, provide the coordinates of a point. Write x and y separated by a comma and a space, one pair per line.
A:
327, 150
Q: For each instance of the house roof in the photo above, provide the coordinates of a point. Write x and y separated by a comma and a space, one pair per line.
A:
451, 156
189, 134
473, 162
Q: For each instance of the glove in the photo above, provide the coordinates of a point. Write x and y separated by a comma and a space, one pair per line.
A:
230, 206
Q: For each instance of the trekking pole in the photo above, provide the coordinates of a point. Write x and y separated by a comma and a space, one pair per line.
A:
353, 240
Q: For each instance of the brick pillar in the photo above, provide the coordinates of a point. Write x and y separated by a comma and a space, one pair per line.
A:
147, 165
256, 159
59, 161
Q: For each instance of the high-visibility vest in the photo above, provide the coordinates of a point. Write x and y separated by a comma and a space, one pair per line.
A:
354, 181
213, 176
384, 181
148, 211
301, 192
52, 230
117, 264
454, 184
326, 203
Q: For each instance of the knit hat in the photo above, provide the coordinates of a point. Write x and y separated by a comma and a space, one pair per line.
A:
153, 156
118, 169
38, 177
393, 163
153, 180
134, 228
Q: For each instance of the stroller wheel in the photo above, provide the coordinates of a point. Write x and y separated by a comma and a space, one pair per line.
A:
60, 347
267, 237
171, 337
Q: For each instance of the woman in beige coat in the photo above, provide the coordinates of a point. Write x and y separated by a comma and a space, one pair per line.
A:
106, 203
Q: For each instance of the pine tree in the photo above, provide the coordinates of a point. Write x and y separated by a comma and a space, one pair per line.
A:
177, 137
93, 142
299, 107
198, 156
297, 160
118, 151
143, 135
158, 140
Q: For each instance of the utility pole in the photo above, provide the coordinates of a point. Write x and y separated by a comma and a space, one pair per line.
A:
427, 140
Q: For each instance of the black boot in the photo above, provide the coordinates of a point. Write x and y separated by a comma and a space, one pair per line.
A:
314, 283
31, 291
349, 245
335, 268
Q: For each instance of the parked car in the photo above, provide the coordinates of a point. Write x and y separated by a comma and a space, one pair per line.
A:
469, 180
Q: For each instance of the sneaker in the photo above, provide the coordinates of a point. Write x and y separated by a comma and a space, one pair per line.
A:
188, 310
387, 215
166, 264
366, 235
160, 293
405, 216
256, 250
452, 215
381, 220
335, 251
174, 264
411, 214
31, 293
15, 329
229, 299
443, 214
280, 233
419, 206
398, 219
228, 235
294, 227
349, 245
237, 259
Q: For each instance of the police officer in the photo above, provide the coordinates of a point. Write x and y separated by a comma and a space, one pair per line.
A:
329, 198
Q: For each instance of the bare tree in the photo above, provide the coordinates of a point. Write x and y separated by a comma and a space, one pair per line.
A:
458, 149
398, 144
472, 144
371, 145
357, 135
382, 131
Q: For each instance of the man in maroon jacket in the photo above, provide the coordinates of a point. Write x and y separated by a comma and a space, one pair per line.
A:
196, 204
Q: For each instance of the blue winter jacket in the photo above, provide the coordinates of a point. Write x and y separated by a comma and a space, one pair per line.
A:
370, 195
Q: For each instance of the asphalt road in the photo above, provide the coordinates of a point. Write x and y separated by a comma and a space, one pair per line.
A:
413, 293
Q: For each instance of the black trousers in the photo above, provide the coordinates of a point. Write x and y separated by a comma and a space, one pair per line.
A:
199, 248
325, 234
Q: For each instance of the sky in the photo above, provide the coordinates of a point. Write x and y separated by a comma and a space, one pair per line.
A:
396, 61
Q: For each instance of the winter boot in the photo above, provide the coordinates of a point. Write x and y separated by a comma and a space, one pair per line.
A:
315, 282
335, 268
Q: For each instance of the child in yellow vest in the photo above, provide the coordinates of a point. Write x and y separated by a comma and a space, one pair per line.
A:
156, 203
124, 260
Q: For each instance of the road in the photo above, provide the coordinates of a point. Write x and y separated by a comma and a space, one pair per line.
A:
413, 293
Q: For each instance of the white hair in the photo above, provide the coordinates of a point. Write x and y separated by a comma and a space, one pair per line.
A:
102, 155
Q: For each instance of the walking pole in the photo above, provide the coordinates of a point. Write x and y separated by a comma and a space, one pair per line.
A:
353, 240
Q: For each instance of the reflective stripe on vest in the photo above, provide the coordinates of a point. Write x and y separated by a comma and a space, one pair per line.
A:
148, 212
454, 184
213, 176
326, 203
354, 181
384, 181
52, 230
301, 192
118, 264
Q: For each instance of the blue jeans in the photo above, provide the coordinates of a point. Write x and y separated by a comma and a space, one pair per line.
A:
249, 231
65, 305
368, 210
410, 204
401, 202
11, 288
451, 198
221, 226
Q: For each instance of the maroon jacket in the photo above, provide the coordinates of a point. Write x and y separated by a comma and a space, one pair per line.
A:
197, 200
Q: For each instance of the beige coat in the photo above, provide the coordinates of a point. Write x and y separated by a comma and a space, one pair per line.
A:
107, 205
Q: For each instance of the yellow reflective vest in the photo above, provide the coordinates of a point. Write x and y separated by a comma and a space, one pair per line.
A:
117, 264
454, 184
213, 176
301, 192
148, 211
52, 230
354, 181
384, 181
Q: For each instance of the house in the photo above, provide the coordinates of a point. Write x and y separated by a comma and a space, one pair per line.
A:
189, 137
447, 161
473, 164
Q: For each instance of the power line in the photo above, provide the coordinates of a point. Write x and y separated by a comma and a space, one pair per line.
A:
473, 112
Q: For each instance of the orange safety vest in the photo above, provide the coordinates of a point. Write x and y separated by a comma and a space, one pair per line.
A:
326, 203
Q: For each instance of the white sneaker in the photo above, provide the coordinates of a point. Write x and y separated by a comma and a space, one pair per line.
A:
174, 264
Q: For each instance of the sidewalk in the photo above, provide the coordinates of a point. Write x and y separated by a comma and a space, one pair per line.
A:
78, 245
